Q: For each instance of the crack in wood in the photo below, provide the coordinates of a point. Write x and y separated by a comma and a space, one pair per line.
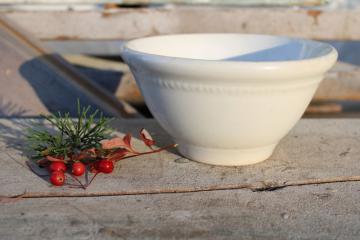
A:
262, 186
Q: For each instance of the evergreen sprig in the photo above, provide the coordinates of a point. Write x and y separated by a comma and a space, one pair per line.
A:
71, 136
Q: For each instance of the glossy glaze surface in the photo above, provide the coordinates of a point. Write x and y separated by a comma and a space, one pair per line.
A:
227, 99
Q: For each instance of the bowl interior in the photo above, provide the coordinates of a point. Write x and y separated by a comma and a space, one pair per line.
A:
230, 47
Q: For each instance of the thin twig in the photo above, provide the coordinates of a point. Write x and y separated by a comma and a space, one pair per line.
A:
92, 178
77, 180
149, 152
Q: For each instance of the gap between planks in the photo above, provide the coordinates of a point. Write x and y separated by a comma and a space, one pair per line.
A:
261, 186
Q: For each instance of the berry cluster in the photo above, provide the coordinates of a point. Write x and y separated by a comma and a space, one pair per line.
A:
81, 146
57, 170
94, 160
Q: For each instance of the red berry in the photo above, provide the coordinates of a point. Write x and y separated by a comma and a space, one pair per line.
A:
78, 169
57, 178
105, 166
57, 166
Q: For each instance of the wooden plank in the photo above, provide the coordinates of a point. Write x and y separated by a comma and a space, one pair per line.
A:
129, 23
127, 88
35, 81
342, 83
57, 2
315, 151
328, 211
94, 47
97, 63
132, 2
324, 108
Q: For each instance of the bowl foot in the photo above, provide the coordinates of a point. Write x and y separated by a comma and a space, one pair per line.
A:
226, 157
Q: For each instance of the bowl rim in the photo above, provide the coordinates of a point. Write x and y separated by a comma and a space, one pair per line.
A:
332, 54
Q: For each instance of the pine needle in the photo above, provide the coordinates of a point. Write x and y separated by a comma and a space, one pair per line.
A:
68, 136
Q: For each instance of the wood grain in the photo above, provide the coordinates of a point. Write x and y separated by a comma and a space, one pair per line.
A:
129, 23
329, 211
315, 151
341, 83
123, 205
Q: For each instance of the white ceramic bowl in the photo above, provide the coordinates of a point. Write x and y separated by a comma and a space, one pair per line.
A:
227, 99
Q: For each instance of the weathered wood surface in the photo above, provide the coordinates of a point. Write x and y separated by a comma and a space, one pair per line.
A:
128, 23
112, 72
36, 81
316, 150
324, 212
132, 2
131, 209
342, 83
86, 47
